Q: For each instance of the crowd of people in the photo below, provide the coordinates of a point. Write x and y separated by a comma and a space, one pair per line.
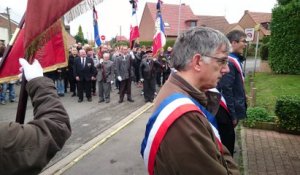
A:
95, 71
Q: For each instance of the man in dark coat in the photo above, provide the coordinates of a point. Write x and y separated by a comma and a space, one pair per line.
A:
84, 72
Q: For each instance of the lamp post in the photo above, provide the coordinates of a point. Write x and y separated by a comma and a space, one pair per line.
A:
179, 15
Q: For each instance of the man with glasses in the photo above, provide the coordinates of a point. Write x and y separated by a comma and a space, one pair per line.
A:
181, 135
231, 86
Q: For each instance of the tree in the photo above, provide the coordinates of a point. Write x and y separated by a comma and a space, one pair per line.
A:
79, 36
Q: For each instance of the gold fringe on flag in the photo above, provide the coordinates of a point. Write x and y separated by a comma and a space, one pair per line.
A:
42, 39
80, 9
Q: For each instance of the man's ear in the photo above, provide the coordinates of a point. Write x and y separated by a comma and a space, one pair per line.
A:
197, 61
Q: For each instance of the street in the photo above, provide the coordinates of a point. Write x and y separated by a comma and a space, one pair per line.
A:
88, 119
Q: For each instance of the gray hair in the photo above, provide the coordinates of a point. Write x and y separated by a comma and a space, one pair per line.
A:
106, 54
202, 40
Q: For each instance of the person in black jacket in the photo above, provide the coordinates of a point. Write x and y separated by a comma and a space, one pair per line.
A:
148, 70
231, 86
70, 72
84, 72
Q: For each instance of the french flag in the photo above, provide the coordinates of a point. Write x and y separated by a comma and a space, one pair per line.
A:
159, 39
96, 32
134, 28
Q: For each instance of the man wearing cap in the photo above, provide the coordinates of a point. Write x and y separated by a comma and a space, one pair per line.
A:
148, 69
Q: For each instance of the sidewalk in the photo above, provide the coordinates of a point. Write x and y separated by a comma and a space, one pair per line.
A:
270, 152
116, 151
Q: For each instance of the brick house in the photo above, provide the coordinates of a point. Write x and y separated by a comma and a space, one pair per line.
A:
170, 14
4, 27
251, 19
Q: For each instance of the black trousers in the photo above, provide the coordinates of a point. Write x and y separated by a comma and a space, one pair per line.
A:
149, 89
125, 88
226, 129
72, 82
93, 88
84, 85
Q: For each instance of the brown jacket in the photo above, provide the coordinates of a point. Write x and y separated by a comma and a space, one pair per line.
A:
26, 149
189, 146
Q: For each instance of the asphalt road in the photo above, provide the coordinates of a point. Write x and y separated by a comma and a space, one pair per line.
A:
88, 119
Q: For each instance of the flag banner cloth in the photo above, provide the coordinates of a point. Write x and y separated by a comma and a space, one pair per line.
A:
96, 32
159, 39
51, 56
40, 15
134, 28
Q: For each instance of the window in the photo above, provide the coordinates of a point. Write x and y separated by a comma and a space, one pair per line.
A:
167, 25
193, 24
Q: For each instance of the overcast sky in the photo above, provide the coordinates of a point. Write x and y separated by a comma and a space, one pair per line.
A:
114, 15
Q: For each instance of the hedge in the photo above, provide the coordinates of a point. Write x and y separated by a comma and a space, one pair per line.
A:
287, 109
284, 45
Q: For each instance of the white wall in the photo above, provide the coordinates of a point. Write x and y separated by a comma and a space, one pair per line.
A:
4, 35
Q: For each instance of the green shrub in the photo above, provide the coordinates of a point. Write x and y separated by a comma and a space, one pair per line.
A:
169, 42
284, 57
264, 51
257, 114
287, 109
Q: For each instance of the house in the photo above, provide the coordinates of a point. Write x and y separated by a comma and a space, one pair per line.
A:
4, 27
251, 19
217, 22
170, 15
120, 38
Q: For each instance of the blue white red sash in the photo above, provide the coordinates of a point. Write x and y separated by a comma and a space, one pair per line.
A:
169, 110
238, 66
222, 101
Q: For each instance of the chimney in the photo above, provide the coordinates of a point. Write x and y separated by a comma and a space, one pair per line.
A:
246, 11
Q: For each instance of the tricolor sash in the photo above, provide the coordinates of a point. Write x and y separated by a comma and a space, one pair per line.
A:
237, 65
168, 111
222, 101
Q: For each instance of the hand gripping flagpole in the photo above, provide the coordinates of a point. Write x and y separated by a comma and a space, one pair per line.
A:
23, 96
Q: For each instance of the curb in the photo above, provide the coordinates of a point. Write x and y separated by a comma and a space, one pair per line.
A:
64, 164
244, 150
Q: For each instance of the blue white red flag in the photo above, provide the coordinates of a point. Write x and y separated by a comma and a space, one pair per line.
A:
96, 32
134, 28
159, 39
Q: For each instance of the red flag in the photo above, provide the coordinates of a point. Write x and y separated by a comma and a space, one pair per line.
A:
41, 14
51, 56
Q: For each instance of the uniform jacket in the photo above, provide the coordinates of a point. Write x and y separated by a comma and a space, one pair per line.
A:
26, 149
71, 62
84, 72
108, 66
189, 146
232, 88
148, 68
124, 66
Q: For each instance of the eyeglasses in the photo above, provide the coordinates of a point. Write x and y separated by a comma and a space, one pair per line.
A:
244, 41
223, 61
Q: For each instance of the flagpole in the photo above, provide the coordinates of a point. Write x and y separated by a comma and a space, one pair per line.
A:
23, 96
